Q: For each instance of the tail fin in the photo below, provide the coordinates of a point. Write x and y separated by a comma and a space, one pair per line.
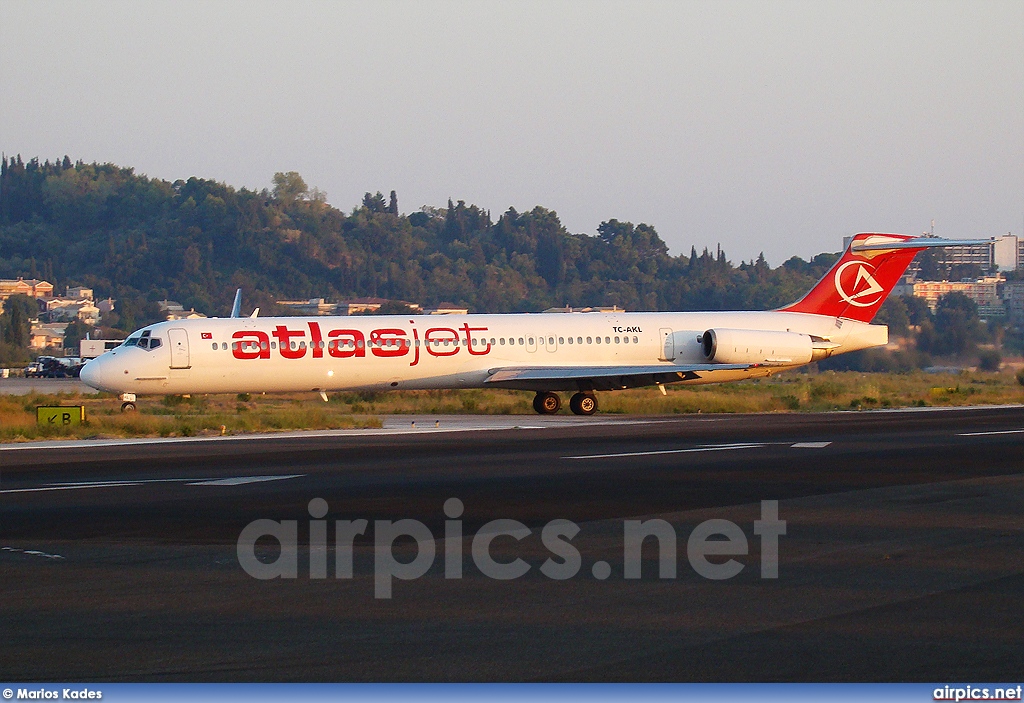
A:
865, 274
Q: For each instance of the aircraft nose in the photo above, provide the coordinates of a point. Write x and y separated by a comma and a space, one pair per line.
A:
92, 374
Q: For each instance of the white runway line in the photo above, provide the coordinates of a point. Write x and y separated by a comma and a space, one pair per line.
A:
709, 448
713, 448
230, 481
981, 434
242, 480
31, 552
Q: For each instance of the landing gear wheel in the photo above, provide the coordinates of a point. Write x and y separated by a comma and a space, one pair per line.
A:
583, 404
128, 407
547, 403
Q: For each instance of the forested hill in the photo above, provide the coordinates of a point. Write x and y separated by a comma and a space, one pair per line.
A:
142, 239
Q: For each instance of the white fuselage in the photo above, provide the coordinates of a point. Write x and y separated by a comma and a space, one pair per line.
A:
280, 354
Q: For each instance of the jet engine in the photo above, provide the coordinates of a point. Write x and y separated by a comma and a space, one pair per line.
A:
726, 346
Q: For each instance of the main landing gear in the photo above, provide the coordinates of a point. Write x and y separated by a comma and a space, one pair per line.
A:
548, 403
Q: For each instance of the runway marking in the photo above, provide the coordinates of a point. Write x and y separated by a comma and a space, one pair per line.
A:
231, 481
810, 445
979, 434
31, 552
713, 448
242, 480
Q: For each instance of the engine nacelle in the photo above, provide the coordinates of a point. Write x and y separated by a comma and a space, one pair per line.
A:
726, 346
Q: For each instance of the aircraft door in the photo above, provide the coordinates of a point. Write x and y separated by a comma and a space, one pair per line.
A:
178, 340
668, 344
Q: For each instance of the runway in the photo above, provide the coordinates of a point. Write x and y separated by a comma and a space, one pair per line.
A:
903, 556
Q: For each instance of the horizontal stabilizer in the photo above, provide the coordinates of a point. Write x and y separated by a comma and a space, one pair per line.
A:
920, 243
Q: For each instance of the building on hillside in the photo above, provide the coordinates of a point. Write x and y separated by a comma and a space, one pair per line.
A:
359, 306
32, 287
1013, 300
446, 309
79, 292
612, 308
173, 310
106, 306
66, 311
313, 306
985, 292
48, 335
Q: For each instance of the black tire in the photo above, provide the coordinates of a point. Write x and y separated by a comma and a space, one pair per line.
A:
583, 404
127, 407
547, 403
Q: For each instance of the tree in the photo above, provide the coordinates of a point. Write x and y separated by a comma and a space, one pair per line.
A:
74, 333
894, 314
16, 321
289, 187
957, 326
393, 204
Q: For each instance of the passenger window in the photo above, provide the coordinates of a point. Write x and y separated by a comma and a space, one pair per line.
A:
263, 346
570, 340
607, 340
589, 341
635, 340
616, 340
492, 341
521, 340
531, 340
551, 341
579, 340
302, 345
598, 339
234, 346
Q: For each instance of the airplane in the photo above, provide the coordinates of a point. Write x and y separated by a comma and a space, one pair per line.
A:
544, 353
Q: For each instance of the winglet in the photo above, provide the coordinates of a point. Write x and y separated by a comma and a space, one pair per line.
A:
236, 308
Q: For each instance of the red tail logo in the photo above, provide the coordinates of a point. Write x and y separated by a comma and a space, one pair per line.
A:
860, 281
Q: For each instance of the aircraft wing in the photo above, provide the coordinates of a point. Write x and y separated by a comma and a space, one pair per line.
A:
601, 378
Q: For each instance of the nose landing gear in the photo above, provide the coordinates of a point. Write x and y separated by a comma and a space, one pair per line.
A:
128, 406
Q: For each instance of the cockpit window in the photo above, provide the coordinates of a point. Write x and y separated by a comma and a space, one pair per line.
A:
131, 341
144, 343
154, 342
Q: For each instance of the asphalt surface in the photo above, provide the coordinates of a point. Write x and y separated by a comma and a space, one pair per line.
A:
903, 557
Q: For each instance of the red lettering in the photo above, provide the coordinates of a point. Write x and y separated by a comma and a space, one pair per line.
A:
258, 347
284, 335
469, 339
317, 340
441, 341
388, 342
341, 340
415, 344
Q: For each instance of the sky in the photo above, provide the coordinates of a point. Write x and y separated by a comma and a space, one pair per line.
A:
761, 126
